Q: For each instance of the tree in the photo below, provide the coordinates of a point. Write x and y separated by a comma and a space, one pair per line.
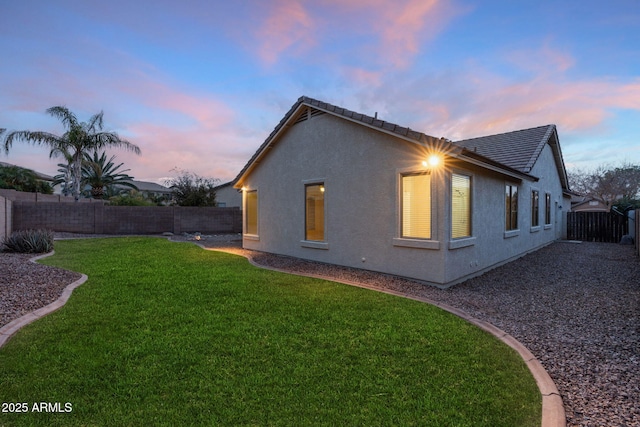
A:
79, 139
21, 179
65, 176
132, 198
189, 189
103, 175
608, 184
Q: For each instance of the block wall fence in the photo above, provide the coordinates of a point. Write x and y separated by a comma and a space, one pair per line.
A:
97, 218
5, 217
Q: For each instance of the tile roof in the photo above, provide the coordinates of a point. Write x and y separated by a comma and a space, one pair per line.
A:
519, 149
371, 121
512, 152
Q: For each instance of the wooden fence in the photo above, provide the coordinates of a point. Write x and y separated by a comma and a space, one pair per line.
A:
597, 226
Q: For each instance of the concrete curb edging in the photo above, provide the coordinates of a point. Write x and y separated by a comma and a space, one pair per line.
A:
553, 414
11, 328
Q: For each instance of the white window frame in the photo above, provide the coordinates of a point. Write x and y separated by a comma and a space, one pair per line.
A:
411, 242
246, 234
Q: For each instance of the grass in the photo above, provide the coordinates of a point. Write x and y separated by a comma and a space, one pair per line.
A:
169, 334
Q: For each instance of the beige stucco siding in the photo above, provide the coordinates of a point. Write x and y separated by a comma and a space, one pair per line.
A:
360, 169
492, 245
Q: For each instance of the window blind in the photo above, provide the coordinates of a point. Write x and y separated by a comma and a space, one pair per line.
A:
416, 206
460, 206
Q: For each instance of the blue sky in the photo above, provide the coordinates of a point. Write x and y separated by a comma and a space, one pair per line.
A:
199, 85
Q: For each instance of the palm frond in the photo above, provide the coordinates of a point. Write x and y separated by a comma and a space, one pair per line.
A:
65, 115
95, 122
36, 138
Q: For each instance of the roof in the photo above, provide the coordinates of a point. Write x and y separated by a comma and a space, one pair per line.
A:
150, 187
489, 157
519, 149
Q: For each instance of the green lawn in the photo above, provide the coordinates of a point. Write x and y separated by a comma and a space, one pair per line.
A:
169, 334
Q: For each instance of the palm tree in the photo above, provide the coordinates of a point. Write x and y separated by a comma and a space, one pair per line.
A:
102, 174
79, 139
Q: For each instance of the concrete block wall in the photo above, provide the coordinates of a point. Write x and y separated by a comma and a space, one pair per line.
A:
96, 218
21, 196
5, 217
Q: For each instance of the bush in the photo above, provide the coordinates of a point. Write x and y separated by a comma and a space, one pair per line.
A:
133, 198
29, 241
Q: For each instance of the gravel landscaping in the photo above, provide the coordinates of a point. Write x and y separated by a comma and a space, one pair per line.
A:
576, 307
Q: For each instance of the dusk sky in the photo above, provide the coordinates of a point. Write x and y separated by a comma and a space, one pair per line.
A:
199, 85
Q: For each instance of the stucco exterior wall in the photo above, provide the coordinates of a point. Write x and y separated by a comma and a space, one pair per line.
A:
493, 246
228, 197
360, 169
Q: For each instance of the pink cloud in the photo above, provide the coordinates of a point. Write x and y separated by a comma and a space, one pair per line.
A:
542, 61
397, 30
287, 25
405, 27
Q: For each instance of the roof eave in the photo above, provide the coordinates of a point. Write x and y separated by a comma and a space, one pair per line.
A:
486, 163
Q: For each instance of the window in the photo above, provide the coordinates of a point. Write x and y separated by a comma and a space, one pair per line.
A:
416, 206
314, 212
251, 215
460, 206
535, 208
547, 209
511, 207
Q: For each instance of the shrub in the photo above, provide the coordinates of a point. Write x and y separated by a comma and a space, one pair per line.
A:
29, 241
133, 198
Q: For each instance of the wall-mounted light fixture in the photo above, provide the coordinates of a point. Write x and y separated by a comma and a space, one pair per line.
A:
432, 161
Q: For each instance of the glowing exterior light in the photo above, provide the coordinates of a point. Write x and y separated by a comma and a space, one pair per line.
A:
432, 162
322, 189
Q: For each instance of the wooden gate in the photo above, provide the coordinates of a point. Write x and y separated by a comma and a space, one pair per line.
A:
597, 226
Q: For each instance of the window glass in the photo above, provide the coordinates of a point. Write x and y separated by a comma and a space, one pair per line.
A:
535, 208
547, 208
460, 206
314, 212
511, 207
251, 216
416, 206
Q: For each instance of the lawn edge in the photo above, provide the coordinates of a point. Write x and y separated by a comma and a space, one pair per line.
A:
553, 413
8, 330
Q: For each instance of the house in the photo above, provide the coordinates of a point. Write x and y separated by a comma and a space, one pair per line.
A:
227, 196
588, 204
339, 187
151, 189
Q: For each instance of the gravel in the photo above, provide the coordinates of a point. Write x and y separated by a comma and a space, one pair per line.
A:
26, 286
576, 307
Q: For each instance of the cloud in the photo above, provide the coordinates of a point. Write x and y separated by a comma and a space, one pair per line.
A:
407, 26
393, 32
287, 26
476, 99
